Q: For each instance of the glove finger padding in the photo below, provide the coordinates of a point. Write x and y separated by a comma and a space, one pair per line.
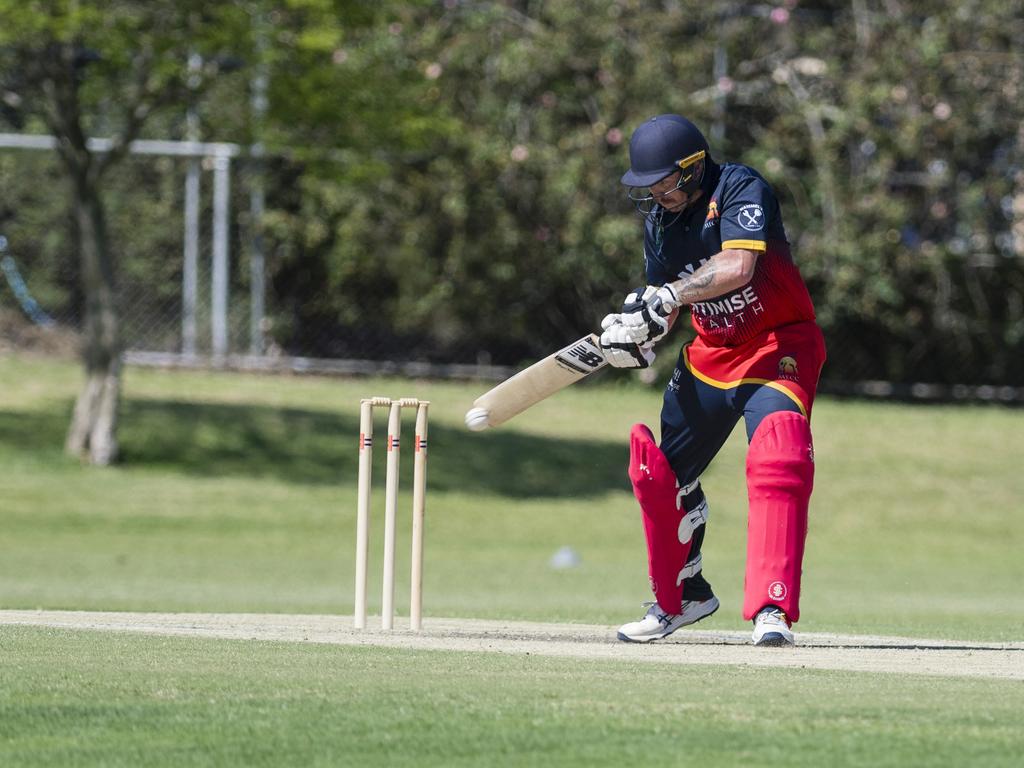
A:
646, 326
628, 356
637, 298
621, 351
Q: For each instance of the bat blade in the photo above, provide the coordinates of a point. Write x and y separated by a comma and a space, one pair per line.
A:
542, 379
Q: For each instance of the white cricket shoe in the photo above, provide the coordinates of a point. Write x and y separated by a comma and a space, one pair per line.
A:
771, 628
657, 624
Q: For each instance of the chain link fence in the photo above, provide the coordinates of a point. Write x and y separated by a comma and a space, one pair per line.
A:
197, 284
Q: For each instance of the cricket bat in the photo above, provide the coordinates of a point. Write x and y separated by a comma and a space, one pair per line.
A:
538, 382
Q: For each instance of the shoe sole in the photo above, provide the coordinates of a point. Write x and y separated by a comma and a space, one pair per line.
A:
774, 640
628, 639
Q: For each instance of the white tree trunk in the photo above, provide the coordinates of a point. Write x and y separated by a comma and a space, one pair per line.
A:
92, 434
93, 430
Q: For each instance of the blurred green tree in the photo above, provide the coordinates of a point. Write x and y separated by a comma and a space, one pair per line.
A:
81, 69
82, 65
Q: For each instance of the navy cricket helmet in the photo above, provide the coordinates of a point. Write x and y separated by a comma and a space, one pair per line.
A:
661, 146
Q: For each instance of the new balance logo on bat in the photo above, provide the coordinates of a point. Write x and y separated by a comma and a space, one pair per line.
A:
583, 356
542, 379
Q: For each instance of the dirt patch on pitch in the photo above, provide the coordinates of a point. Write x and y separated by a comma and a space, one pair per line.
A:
856, 653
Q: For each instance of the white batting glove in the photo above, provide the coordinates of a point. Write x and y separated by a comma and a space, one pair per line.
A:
664, 301
620, 350
637, 298
654, 317
622, 332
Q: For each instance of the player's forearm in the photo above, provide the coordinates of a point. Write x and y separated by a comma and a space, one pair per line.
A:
724, 272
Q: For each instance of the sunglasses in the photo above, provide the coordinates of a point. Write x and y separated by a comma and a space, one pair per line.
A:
645, 199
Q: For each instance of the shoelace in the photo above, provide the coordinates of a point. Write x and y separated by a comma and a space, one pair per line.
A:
773, 617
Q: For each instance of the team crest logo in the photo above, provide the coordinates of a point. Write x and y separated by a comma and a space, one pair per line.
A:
787, 368
712, 218
777, 590
752, 217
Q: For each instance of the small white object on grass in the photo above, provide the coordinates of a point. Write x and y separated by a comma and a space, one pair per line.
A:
565, 558
476, 419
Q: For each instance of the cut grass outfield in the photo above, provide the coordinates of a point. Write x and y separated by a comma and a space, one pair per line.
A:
175, 701
237, 493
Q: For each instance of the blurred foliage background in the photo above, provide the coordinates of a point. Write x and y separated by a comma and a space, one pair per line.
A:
442, 177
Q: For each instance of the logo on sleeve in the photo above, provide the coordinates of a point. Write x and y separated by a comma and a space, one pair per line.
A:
752, 217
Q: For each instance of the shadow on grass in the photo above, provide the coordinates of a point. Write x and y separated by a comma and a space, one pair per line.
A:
313, 447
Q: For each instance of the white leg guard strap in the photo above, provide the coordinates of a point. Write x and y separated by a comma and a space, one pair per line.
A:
692, 568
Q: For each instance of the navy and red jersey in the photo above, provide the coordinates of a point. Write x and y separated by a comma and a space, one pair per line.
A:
738, 210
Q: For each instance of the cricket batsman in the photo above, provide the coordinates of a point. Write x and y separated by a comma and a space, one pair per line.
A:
714, 241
